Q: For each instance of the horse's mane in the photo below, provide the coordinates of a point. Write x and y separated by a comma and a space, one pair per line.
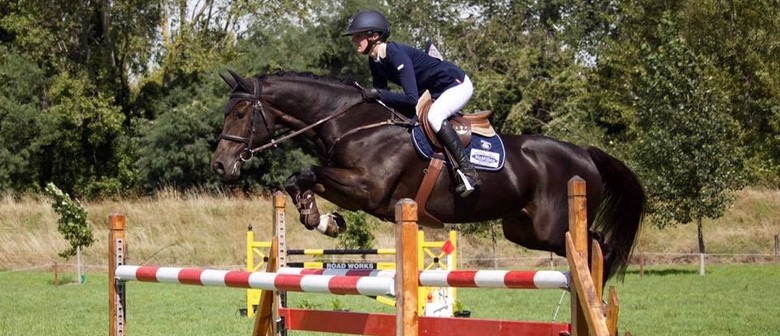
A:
307, 75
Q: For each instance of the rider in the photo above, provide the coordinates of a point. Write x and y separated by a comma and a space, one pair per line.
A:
415, 71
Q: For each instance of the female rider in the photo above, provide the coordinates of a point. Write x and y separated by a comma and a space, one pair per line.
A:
415, 71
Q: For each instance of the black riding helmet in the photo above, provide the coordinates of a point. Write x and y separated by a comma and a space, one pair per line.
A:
369, 21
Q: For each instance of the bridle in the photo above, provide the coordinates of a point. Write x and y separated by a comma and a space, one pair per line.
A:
257, 109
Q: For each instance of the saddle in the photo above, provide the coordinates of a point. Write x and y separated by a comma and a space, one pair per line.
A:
464, 125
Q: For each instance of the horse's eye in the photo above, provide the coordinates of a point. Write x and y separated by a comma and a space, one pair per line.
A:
240, 114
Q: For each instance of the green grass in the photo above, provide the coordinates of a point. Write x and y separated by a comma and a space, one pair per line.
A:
729, 300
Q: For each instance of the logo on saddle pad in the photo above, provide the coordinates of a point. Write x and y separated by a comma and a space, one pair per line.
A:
481, 154
486, 153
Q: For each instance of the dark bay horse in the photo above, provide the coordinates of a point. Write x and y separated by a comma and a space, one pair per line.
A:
368, 163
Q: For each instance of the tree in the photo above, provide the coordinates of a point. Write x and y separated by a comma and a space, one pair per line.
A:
72, 224
19, 121
737, 37
684, 138
174, 150
534, 79
740, 38
85, 52
77, 133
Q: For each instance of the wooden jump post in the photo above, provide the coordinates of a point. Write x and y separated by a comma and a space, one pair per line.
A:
585, 285
117, 255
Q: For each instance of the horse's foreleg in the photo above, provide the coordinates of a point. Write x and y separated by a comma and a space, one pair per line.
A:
299, 186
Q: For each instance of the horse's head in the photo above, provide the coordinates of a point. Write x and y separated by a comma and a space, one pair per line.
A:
245, 127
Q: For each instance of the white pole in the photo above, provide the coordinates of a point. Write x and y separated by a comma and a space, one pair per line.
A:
701, 263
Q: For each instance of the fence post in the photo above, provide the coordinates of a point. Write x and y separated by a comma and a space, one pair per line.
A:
55, 269
117, 255
777, 245
701, 263
406, 279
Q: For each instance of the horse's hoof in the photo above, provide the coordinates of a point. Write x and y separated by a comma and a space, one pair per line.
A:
318, 188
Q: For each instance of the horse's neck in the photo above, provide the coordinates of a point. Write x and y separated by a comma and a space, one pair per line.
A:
310, 101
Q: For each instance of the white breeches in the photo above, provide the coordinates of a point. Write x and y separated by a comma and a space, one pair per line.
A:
450, 102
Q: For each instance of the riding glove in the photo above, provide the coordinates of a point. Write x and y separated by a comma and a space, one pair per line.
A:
370, 94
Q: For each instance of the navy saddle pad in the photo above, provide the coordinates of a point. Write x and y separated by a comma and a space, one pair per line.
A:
485, 153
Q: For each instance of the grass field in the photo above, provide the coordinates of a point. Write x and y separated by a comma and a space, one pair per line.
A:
729, 300
200, 230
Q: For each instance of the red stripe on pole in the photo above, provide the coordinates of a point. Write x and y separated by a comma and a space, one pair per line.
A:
288, 282
461, 278
190, 276
343, 285
237, 279
315, 271
147, 273
520, 280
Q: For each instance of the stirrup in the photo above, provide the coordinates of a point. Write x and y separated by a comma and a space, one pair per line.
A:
465, 183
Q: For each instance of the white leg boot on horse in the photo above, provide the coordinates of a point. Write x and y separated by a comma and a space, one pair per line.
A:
330, 224
468, 178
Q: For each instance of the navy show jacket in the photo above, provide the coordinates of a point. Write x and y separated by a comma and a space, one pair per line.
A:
413, 70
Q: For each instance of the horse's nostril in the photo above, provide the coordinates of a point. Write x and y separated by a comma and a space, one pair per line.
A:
218, 168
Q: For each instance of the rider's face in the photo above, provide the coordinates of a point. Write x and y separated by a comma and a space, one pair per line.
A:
360, 40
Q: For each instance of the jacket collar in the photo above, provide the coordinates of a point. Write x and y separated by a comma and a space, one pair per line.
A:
381, 52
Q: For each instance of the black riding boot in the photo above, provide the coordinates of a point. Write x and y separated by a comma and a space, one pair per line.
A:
468, 178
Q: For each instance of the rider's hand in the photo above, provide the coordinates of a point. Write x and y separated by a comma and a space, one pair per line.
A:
370, 94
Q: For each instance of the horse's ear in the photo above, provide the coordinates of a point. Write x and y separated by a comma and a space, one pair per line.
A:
229, 79
246, 85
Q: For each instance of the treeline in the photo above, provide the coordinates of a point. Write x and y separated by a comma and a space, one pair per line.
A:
110, 98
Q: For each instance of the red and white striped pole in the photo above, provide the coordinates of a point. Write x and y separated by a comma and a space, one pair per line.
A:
458, 278
333, 284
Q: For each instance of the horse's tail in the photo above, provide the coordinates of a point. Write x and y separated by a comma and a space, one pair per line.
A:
621, 211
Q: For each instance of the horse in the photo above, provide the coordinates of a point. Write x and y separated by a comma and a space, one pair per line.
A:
368, 162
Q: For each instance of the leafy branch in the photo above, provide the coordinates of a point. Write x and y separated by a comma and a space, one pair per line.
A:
72, 222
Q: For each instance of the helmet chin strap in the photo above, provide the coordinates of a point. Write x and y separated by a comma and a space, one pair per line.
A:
370, 46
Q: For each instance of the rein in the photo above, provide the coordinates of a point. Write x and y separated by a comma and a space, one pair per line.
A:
394, 116
273, 142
